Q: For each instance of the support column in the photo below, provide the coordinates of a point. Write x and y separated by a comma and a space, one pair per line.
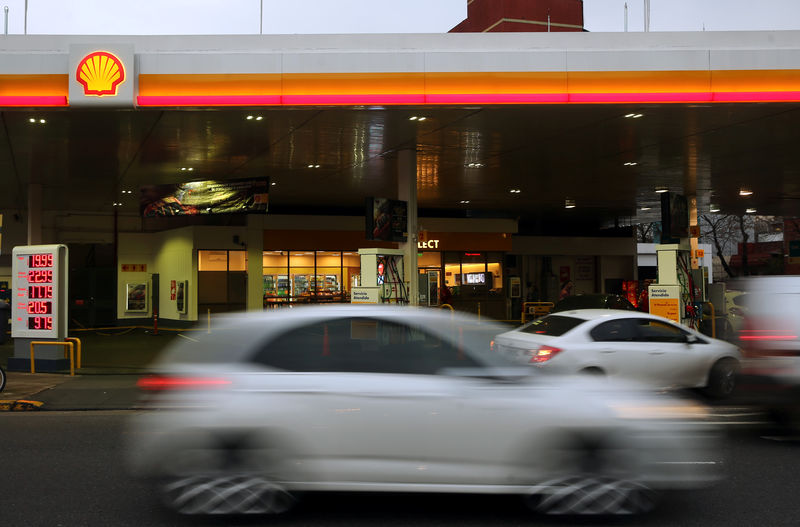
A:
255, 262
34, 214
407, 191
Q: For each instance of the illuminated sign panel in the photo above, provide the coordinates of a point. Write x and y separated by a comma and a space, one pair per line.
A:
100, 73
39, 292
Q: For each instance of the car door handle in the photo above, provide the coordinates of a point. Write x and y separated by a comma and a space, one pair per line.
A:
608, 351
657, 352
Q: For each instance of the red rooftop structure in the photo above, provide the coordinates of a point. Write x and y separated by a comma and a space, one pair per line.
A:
521, 16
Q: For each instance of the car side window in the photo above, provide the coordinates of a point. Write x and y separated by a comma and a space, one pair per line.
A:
657, 331
619, 330
361, 345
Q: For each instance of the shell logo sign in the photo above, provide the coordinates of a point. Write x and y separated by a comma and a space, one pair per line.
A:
100, 73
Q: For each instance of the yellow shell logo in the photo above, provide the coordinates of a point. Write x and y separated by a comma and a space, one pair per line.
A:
100, 73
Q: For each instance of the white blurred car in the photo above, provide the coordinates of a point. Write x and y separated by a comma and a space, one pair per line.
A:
364, 398
627, 344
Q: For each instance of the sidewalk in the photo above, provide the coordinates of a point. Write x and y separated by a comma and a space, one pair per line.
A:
113, 360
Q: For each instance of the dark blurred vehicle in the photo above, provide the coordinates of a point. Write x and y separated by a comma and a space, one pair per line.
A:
593, 301
396, 399
770, 340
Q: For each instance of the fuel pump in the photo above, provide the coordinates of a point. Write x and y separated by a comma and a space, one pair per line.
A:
382, 278
680, 290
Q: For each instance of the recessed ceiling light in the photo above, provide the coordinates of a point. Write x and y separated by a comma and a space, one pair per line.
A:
745, 192
42, 121
249, 117
515, 191
413, 118
645, 208
464, 201
421, 118
259, 118
750, 211
631, 164
661, 190
569, 204
713, 208
31, 120
273, 183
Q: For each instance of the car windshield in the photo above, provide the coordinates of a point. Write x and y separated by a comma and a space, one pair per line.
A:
552, 325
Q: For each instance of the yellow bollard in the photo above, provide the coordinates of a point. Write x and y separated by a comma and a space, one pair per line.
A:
77, 342
70, 345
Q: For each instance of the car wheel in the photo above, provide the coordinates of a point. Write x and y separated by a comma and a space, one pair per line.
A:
225, 475
599, 482
213, 494
722, 378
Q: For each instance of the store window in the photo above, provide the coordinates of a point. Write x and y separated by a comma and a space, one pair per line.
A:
328, 277
309, 276
275, 268
212, 260
351, 270
301, 271
221, 281
452, 271
474, 274
494, 270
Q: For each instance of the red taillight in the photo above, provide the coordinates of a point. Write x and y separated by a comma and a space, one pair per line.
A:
163, 382
543, 354
491, 345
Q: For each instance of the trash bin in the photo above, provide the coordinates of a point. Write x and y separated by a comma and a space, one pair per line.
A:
5, 314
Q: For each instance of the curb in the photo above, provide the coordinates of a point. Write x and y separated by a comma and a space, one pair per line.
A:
20, 405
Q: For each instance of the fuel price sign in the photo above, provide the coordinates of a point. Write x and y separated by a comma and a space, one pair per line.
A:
39, 292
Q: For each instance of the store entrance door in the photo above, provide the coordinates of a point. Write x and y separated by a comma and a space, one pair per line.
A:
429, 286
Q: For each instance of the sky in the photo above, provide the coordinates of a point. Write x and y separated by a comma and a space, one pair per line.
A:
181, 17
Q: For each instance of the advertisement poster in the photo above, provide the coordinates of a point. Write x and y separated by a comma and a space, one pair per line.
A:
136, 297
386, 220
205, 197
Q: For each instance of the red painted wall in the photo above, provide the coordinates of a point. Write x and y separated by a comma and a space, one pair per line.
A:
485, 14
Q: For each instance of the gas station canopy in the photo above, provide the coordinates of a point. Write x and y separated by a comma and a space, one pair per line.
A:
504, 125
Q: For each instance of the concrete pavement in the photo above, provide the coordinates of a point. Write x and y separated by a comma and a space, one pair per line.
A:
113, 360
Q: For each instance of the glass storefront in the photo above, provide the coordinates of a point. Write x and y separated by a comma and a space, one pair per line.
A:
309, 276
221, 281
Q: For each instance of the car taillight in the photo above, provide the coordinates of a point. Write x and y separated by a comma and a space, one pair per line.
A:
543, 354
491, 345
154, 383
763, 337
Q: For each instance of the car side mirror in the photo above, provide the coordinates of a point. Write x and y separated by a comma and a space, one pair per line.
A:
691, 339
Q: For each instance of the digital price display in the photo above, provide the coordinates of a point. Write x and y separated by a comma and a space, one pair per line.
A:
39, 291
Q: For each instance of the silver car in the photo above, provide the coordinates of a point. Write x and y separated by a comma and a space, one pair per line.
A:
365, 398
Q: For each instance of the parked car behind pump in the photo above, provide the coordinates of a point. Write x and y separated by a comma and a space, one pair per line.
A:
624, 344
364, 398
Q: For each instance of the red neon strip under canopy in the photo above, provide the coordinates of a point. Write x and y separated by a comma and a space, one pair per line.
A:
443, 99
33, 100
